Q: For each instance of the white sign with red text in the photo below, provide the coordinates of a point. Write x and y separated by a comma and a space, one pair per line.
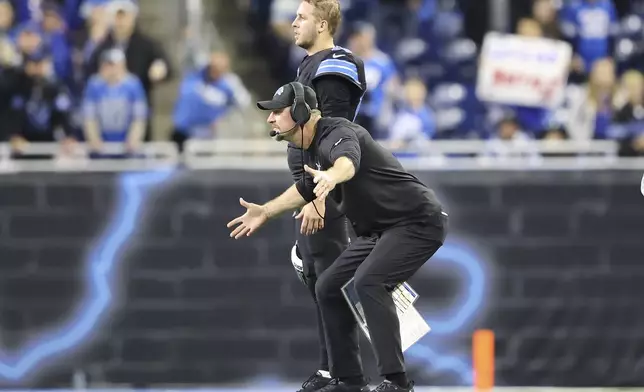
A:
524, 71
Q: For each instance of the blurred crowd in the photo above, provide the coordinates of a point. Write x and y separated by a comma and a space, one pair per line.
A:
84, 70
421, 59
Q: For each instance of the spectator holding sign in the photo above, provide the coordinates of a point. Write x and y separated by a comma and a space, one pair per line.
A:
535, 119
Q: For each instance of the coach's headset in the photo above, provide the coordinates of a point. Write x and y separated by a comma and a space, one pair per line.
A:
301, 114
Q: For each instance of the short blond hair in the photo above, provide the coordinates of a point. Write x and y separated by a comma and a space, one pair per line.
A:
328, 10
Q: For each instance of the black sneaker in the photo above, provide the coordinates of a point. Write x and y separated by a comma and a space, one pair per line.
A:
314, 383
336, 385
388, 386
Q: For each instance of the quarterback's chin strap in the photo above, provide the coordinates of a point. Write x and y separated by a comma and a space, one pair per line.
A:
296, 260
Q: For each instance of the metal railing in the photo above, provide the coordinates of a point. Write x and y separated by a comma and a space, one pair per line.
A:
259, 154
268, 146
56, 157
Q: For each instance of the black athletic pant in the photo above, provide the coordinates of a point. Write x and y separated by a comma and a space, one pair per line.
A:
376, 262
318, 252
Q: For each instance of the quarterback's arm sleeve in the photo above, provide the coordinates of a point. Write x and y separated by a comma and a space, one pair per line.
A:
341, 68
334, 96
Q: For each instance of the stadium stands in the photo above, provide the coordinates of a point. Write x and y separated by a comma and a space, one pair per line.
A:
430, 40
425, 63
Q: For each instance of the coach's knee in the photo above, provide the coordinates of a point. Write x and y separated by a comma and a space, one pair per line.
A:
366, 283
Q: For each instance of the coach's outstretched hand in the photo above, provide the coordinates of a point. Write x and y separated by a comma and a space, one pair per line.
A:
325, 183
252, 220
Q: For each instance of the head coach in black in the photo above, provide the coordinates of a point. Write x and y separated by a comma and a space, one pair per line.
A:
338, 79
399, 222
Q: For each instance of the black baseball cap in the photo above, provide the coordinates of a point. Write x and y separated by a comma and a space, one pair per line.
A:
285, 96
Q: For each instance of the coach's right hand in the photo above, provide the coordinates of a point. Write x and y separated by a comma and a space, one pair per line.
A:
312, 219
252, 220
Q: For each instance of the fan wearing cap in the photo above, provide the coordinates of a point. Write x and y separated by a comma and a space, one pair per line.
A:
145, 56
398, 220
49, 31
114, 105
41, 107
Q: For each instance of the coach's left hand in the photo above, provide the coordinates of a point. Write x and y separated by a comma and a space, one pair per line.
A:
252, 220
325, 182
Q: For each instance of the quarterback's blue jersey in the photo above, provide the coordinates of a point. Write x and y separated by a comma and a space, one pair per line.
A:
115, 107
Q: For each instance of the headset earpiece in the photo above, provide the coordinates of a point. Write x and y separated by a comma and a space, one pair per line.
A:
300, 110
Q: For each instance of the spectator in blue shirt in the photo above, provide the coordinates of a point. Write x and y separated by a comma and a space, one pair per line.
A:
590, 25
145, 56
114, 105
205, 96
54, 32
375, 111
415, 122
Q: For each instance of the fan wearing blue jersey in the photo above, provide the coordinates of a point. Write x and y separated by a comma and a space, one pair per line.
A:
591, 26
205, 96
114, 105
382, 78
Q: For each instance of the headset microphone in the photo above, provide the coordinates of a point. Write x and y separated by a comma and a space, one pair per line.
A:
280, 135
